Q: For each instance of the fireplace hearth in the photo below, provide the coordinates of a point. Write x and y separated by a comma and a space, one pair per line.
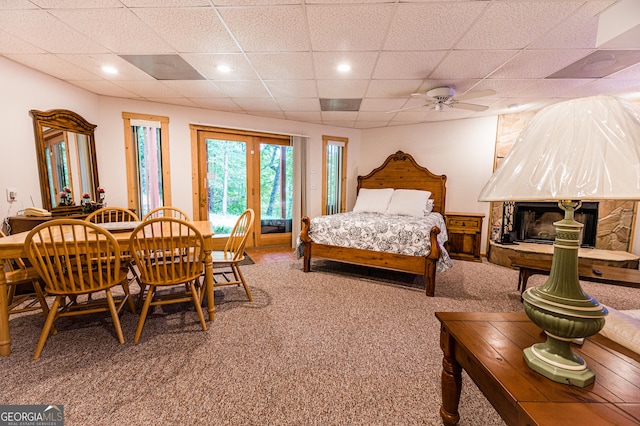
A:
533, 222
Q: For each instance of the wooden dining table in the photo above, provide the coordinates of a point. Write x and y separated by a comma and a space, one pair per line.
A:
13, 246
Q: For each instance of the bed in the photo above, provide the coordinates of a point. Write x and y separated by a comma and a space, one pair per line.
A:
399, 171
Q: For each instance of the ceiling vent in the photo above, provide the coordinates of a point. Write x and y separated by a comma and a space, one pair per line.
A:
599, 64
340, 104
164, 67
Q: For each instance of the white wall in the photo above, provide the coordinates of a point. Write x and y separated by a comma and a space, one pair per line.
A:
463, 150
24, 89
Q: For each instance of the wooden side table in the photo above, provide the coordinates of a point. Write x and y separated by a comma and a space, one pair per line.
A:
488, 346
465, 232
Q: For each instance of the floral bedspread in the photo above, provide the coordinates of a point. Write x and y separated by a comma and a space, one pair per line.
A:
406, 235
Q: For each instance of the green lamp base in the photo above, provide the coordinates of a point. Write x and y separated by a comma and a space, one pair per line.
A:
562, 309
557, 368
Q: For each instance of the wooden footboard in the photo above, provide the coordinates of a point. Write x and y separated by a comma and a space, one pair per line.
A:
420, 265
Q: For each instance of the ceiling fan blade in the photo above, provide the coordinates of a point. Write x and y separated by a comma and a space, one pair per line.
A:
420, 95
476, 94
407, 108
470, 107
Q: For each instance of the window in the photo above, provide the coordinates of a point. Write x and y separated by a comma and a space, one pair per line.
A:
334, 174
147, 149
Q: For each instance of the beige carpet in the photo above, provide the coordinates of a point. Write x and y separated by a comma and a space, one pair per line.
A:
322, 348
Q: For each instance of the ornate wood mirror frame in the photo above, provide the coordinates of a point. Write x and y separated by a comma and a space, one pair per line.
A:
65, 147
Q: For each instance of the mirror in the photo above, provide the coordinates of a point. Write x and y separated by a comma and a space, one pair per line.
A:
66, 151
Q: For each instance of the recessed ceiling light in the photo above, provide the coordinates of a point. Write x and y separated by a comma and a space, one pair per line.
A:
109, 69
344, 67
224, 68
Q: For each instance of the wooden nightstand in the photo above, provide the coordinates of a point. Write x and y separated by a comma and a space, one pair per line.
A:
465, 231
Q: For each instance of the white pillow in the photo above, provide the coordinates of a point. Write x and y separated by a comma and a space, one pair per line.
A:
408, 202
429, 208
373, 200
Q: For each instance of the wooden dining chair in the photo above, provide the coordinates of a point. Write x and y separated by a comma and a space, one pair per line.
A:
117, 214
226, 263
167, 211
178, 274
78, 261
112, 214
24, 289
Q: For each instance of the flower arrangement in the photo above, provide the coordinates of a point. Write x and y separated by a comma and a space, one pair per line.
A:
89, 205
66, 199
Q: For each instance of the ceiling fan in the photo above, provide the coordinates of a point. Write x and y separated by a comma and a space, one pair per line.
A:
440, 98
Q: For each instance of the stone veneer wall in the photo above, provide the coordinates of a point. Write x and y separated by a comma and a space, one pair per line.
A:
615, 218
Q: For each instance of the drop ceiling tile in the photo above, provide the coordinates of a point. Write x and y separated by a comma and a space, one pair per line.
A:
77, 4
339, 123
11, 44
238, 3
605, 86
195, 88
206, 64
514, 25
539, 63
37, 26
268, 113
392, 88
407, 65
339, 115
504, 87
106, 88
299, 104
148, 88
370, 124
342, 88
217, 104
471, 63
431, 26
348, 27
272, 29
93, 63
193, 30
381, 105
257, 104
374, 116
578, 31
292, 88
243, 89
630, 73
17, 4
551, 88
165, 3
119, 30
174, 101
326, 63
53, 65
304, 116
283, 66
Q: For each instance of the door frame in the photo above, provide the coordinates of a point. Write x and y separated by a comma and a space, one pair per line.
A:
199, 175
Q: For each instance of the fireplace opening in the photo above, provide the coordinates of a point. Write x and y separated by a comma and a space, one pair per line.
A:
533, 222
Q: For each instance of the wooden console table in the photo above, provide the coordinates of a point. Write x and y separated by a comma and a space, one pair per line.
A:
488, 346
586, 271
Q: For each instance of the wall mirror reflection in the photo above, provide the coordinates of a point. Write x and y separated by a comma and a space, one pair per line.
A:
65, 147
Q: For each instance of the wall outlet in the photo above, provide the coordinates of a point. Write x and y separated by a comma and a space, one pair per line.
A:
12, 195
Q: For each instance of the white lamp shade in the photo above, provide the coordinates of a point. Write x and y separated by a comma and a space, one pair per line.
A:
583, 149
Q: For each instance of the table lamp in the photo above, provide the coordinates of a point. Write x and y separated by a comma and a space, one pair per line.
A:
582, 149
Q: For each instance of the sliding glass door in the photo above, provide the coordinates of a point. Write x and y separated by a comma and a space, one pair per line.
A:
239, 171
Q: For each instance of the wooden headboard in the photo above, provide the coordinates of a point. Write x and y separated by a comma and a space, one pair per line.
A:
400, 171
